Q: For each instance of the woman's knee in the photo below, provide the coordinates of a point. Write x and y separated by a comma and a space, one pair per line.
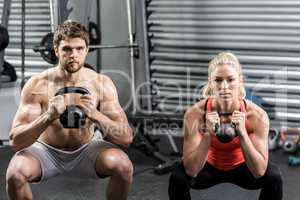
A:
273, 174
178, 176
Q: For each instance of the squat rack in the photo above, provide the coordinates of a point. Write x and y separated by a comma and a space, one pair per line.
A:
4, 23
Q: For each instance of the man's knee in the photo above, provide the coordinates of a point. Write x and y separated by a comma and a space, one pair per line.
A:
124, 169
23, 169
118, 163
15, 177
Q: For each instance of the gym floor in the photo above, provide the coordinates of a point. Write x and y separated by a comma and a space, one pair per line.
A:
146, 185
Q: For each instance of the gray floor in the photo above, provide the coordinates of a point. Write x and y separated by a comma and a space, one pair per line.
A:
146, 185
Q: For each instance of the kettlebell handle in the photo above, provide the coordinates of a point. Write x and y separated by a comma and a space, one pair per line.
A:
66, 90
73, 116
224, 113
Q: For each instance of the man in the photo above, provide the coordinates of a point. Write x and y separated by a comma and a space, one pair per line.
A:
45, 148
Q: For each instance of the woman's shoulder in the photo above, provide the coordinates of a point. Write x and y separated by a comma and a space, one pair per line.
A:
254, 113
252, 107
197, 109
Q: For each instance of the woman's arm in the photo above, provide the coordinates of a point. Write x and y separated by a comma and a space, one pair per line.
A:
196, 144
255, 145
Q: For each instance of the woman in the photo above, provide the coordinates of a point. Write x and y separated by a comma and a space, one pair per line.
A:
242, 161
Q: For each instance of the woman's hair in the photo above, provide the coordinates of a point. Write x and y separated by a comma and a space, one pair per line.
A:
70, 29
223, 58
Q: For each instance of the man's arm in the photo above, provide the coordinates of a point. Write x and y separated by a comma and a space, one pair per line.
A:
26, 127
29, 122
111, 118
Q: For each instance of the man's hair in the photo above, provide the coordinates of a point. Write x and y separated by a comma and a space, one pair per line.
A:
70, 29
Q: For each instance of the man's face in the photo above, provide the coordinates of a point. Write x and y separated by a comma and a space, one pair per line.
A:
71, 54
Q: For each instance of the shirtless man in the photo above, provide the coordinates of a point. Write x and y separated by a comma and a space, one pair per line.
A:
46, 149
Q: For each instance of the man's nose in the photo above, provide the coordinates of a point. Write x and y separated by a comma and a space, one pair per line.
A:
73, 53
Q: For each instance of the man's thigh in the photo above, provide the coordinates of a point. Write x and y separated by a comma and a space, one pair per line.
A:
27, 165
87, 166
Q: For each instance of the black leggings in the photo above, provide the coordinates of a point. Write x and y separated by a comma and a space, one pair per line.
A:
270, 184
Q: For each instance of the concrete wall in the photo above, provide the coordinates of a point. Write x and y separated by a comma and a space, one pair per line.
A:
114, 31
115, 62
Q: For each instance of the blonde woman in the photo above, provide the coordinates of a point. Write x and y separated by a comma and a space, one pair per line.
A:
243, 161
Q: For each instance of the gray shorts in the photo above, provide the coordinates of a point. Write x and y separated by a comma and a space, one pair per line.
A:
78, 163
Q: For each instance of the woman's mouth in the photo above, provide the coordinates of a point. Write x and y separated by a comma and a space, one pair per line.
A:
225, 94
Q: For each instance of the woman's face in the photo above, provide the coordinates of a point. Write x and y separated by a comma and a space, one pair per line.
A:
225, 82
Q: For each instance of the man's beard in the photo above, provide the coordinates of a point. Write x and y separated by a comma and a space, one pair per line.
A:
71, 69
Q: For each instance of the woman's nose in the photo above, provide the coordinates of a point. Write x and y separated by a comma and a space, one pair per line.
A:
224, 84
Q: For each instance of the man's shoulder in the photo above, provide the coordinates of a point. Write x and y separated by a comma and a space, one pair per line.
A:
44, 75
105, 79
37, 81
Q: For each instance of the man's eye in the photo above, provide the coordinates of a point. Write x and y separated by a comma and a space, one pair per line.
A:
67, 49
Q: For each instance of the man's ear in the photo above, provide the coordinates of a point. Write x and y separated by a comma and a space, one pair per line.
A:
56, 51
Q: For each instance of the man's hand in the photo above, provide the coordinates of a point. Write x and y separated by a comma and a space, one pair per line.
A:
88, 105
56, 107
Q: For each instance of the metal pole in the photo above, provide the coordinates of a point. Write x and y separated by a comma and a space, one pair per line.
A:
99, 61
23, 45
51, 15
147, 54
130, 33
114, 46
104, 46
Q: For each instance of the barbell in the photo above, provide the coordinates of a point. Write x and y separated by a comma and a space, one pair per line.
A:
46, 48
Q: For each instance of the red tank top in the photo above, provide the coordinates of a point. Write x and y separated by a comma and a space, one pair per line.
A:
225, 156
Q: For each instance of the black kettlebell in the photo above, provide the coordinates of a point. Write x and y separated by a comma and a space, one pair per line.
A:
225, 132
73, 116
